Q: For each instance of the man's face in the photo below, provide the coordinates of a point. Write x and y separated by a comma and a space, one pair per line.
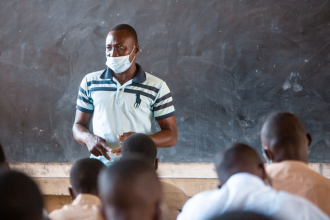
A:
120, 43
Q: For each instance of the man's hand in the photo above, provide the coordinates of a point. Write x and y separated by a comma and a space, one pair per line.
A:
121, 138
117, 152
98, 146
124, 136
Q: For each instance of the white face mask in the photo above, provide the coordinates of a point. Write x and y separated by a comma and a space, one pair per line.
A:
119, 64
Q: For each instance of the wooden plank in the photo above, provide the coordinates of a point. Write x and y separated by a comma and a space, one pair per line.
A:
43, 169
59, 185
193, 186
53, 185
52, 202
166, 170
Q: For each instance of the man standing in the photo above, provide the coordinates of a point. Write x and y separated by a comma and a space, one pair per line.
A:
122, 100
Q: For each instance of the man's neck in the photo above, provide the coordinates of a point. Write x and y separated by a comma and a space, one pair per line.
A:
126, 76
295, 157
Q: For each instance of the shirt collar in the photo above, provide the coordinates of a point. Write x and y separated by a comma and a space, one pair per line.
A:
245, 179
86, 199
139, 78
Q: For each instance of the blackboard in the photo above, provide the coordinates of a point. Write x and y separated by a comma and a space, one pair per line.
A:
228, 63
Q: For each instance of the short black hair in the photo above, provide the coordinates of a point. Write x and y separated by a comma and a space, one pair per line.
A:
236, 158
140, 144
83, 175
283, 129
128, 28
132, 174
2, 156
20, 198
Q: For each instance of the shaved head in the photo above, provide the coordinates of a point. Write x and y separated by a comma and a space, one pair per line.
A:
83, 175
238, 158
283, 137
140, 144
130, 190
20, 197
128, 29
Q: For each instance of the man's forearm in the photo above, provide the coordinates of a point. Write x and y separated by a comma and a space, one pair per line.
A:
164, 138
80, 134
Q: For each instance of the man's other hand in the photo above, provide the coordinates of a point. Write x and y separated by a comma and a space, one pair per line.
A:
124, 136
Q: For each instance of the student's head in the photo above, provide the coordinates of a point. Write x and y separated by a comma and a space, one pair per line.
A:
122, 40
240, 215
140, 144
238, 158
2, 157
20, 197
83, 177
283, 137
130, 190
3, 163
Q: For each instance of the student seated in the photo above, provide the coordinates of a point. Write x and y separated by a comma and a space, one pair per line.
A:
84, 192
130, 190
143, 145
285, 144
20, 198
243, 176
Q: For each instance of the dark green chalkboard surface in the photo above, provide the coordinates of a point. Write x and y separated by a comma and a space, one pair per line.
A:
228, 63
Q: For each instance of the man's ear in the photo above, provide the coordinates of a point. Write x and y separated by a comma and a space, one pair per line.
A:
73, 196
137, 49
268, 154
309, 137
156, 164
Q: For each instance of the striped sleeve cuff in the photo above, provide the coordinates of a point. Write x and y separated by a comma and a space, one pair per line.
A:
164, 116
84, 109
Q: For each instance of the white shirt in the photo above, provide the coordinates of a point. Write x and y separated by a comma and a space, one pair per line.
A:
246, 192
118, 109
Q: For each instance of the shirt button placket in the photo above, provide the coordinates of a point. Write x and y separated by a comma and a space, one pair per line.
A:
119, 96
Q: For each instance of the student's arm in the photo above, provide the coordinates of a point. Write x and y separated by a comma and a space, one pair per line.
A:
95, 144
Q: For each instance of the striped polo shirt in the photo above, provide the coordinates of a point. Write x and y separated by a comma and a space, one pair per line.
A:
120, 108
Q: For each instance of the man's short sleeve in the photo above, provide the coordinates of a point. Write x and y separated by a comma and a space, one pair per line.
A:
163, 106
84, 100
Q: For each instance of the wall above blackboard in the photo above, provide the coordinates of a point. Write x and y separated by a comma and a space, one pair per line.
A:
228, 63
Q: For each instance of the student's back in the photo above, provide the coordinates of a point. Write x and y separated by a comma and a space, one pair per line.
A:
84, 192
242, 172
141, 144
285, 144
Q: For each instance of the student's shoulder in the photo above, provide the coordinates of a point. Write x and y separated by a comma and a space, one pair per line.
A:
61, 213
201, 198
287, 199
292, 204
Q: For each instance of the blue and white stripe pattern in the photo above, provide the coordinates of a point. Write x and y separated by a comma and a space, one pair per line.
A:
119, 108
